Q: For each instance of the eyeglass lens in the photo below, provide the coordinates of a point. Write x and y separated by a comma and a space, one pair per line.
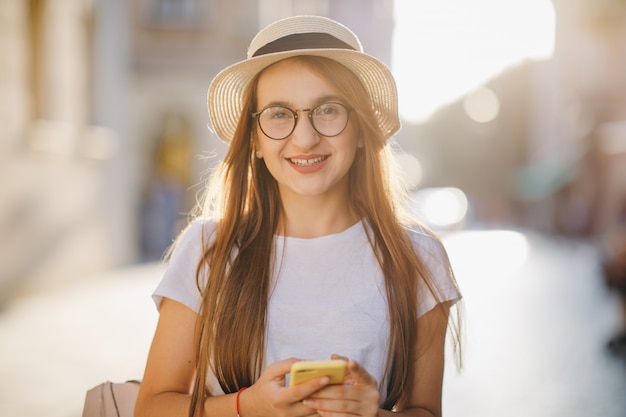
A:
328, 119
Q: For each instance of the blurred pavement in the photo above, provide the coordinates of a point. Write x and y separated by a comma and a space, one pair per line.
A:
56, 344
537, 318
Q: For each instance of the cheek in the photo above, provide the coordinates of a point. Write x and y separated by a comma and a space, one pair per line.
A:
268, 149
349, 153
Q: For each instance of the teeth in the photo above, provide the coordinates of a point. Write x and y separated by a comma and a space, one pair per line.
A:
307, 162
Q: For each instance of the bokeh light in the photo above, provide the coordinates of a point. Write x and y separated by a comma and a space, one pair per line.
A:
482, 105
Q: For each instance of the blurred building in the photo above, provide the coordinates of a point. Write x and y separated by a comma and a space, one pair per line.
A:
542, 144
104, 128
55, 155
103, 121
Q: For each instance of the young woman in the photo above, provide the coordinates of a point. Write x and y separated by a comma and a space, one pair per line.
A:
302, 251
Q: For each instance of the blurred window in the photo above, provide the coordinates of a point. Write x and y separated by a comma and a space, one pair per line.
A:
177, 14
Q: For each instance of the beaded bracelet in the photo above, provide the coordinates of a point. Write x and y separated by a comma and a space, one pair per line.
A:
237, 400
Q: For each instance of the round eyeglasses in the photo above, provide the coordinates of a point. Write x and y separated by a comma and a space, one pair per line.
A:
278, 122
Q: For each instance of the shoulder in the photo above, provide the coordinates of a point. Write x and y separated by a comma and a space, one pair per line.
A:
201, 226
197, 231
188, 246
179, 280
426, 243
437, 283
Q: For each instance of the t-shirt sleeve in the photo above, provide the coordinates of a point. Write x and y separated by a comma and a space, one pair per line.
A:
443, 286
179, 281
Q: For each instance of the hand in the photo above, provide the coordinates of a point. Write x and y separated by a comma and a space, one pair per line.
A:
269, 397
358, 396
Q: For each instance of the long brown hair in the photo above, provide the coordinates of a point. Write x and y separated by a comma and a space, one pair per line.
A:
232, 320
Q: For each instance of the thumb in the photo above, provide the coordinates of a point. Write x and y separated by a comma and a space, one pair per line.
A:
356, 374
359, 374
335, 356
278, 370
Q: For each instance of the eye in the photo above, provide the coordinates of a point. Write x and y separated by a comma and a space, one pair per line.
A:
277, 113
328, 110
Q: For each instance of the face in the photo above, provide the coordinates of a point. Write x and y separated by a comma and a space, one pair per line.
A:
305, 163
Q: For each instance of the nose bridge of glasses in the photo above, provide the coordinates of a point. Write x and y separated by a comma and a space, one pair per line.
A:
297, 111
296, 116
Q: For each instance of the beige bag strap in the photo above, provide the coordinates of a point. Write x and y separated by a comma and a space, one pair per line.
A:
117, 409
111, 399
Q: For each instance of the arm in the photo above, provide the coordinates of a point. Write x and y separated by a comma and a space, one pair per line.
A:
426, 392
167, 383
168, 378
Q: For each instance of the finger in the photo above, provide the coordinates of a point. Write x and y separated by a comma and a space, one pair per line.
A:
333, 405
335, 356
307, 388
313, 383
301, 409
348, 378
281, 368
359, 374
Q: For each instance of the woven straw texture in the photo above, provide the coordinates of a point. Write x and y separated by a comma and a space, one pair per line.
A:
225, 93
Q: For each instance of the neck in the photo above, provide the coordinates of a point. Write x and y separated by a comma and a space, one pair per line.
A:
310, 217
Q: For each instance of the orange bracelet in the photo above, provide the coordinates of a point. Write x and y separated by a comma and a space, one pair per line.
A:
237, 400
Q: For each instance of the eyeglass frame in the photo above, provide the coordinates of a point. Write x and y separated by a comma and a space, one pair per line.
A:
296, 116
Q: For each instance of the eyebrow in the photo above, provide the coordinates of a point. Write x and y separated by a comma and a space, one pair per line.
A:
320, 100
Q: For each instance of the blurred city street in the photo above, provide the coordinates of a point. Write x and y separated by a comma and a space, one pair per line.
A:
513, 140
59, 342
537, 319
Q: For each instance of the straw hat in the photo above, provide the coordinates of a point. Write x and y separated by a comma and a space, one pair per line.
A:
302, 35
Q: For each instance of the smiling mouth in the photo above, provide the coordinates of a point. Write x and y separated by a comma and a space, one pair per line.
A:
307, 162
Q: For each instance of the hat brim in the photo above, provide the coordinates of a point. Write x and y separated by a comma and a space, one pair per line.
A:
225, 95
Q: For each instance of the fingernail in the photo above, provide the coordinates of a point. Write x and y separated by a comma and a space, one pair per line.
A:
325, 380
307, 402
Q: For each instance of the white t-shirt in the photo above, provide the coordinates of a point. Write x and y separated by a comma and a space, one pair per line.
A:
327, 295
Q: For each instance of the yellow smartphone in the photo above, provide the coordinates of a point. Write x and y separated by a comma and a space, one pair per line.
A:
304, 370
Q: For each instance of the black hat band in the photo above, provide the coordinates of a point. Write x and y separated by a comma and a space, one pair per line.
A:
303, 41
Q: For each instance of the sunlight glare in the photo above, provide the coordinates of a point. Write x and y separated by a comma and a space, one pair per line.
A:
440, 207
443, 49
408, 170
496, 253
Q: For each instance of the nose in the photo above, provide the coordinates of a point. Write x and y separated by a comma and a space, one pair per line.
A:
303, 135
